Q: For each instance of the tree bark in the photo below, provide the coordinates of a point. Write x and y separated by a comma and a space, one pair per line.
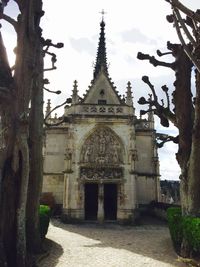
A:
36, 159
15, 121
194, 166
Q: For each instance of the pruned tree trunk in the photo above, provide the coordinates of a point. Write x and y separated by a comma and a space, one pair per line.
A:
186, 117
194, 166
15, 123
36, 159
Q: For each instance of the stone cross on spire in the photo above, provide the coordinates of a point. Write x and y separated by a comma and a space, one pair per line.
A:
103, 13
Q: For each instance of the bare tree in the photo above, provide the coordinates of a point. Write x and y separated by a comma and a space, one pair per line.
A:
17, 87
21, 111
185, 110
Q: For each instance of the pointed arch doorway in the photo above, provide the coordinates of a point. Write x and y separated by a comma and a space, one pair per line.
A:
101, 201
101, 170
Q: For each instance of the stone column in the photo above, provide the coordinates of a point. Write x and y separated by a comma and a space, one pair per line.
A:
66, 204
157, 179
100, 213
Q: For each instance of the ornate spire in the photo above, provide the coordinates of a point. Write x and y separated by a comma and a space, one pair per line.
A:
48, 108
101, 60
129, 97
150, 115
75, 93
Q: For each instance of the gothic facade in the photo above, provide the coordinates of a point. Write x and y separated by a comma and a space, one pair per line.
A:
101, 162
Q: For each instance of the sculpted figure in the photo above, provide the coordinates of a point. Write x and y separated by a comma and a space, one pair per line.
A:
102, 143
68, 159
87, 154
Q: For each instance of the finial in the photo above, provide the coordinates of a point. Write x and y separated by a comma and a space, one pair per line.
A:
75, 85
75, 96
150, 113
129, 98
102, 13
48, 108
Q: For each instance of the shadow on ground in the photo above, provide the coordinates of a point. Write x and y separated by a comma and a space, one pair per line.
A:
151, 239
52, 251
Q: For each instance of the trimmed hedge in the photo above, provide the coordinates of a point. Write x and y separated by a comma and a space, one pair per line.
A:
44, 215
174, 218
191, 228
184, 227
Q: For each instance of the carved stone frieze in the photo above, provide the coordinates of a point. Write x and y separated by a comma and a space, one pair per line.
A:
102, 109
100, 173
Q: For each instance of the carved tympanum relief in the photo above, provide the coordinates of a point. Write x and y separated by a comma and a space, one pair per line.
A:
102, 147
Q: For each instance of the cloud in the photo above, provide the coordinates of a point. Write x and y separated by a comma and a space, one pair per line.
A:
130, 59
83, 45
136, 36
169, 167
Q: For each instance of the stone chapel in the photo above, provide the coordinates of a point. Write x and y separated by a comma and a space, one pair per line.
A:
101, 163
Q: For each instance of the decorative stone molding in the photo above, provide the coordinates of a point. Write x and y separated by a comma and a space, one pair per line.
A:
97, 174
102, 109
142, 124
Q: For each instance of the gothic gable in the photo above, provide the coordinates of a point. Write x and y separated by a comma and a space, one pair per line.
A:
102, 92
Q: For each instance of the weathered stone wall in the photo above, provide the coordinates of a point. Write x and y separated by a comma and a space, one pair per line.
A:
54, 183
54, 150
144, 145
146, 189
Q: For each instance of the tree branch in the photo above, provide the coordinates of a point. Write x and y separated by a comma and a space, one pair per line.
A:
154, 61
185, 47
67, 101
51, 91
49, 69
53, 61
164, 138
146, 80
54, 124
185, 29
190, 13
160, 54
165, 89
11, 21
48, 43
164, 113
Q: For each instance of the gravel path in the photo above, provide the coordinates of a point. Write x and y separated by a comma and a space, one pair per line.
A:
91, 245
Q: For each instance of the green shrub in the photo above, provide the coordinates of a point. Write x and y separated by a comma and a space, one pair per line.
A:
191, 232
175, 222
44, 215
184, 227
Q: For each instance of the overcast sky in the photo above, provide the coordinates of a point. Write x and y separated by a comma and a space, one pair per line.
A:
131, 26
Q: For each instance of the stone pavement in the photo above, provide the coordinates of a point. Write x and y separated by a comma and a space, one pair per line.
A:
93, 245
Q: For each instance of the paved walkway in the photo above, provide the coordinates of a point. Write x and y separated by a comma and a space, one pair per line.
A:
90, 245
